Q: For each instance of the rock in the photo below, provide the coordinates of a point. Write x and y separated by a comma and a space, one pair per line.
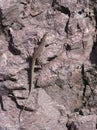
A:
86, 123
65, 73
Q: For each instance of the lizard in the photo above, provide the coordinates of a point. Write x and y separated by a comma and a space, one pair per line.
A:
36, 54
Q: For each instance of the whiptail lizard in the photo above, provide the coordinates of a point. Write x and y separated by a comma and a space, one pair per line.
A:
37, 52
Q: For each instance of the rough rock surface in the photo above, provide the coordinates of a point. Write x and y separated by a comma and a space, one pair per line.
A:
65, 95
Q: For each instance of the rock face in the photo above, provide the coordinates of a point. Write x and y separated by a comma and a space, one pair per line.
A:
65, 78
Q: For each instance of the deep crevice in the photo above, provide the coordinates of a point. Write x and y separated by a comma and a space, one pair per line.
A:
51, 58
71, 126
93, 54
2, 27
61, 8
95, 13
11, 46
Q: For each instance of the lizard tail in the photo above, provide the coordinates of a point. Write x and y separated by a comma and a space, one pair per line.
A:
30, 90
